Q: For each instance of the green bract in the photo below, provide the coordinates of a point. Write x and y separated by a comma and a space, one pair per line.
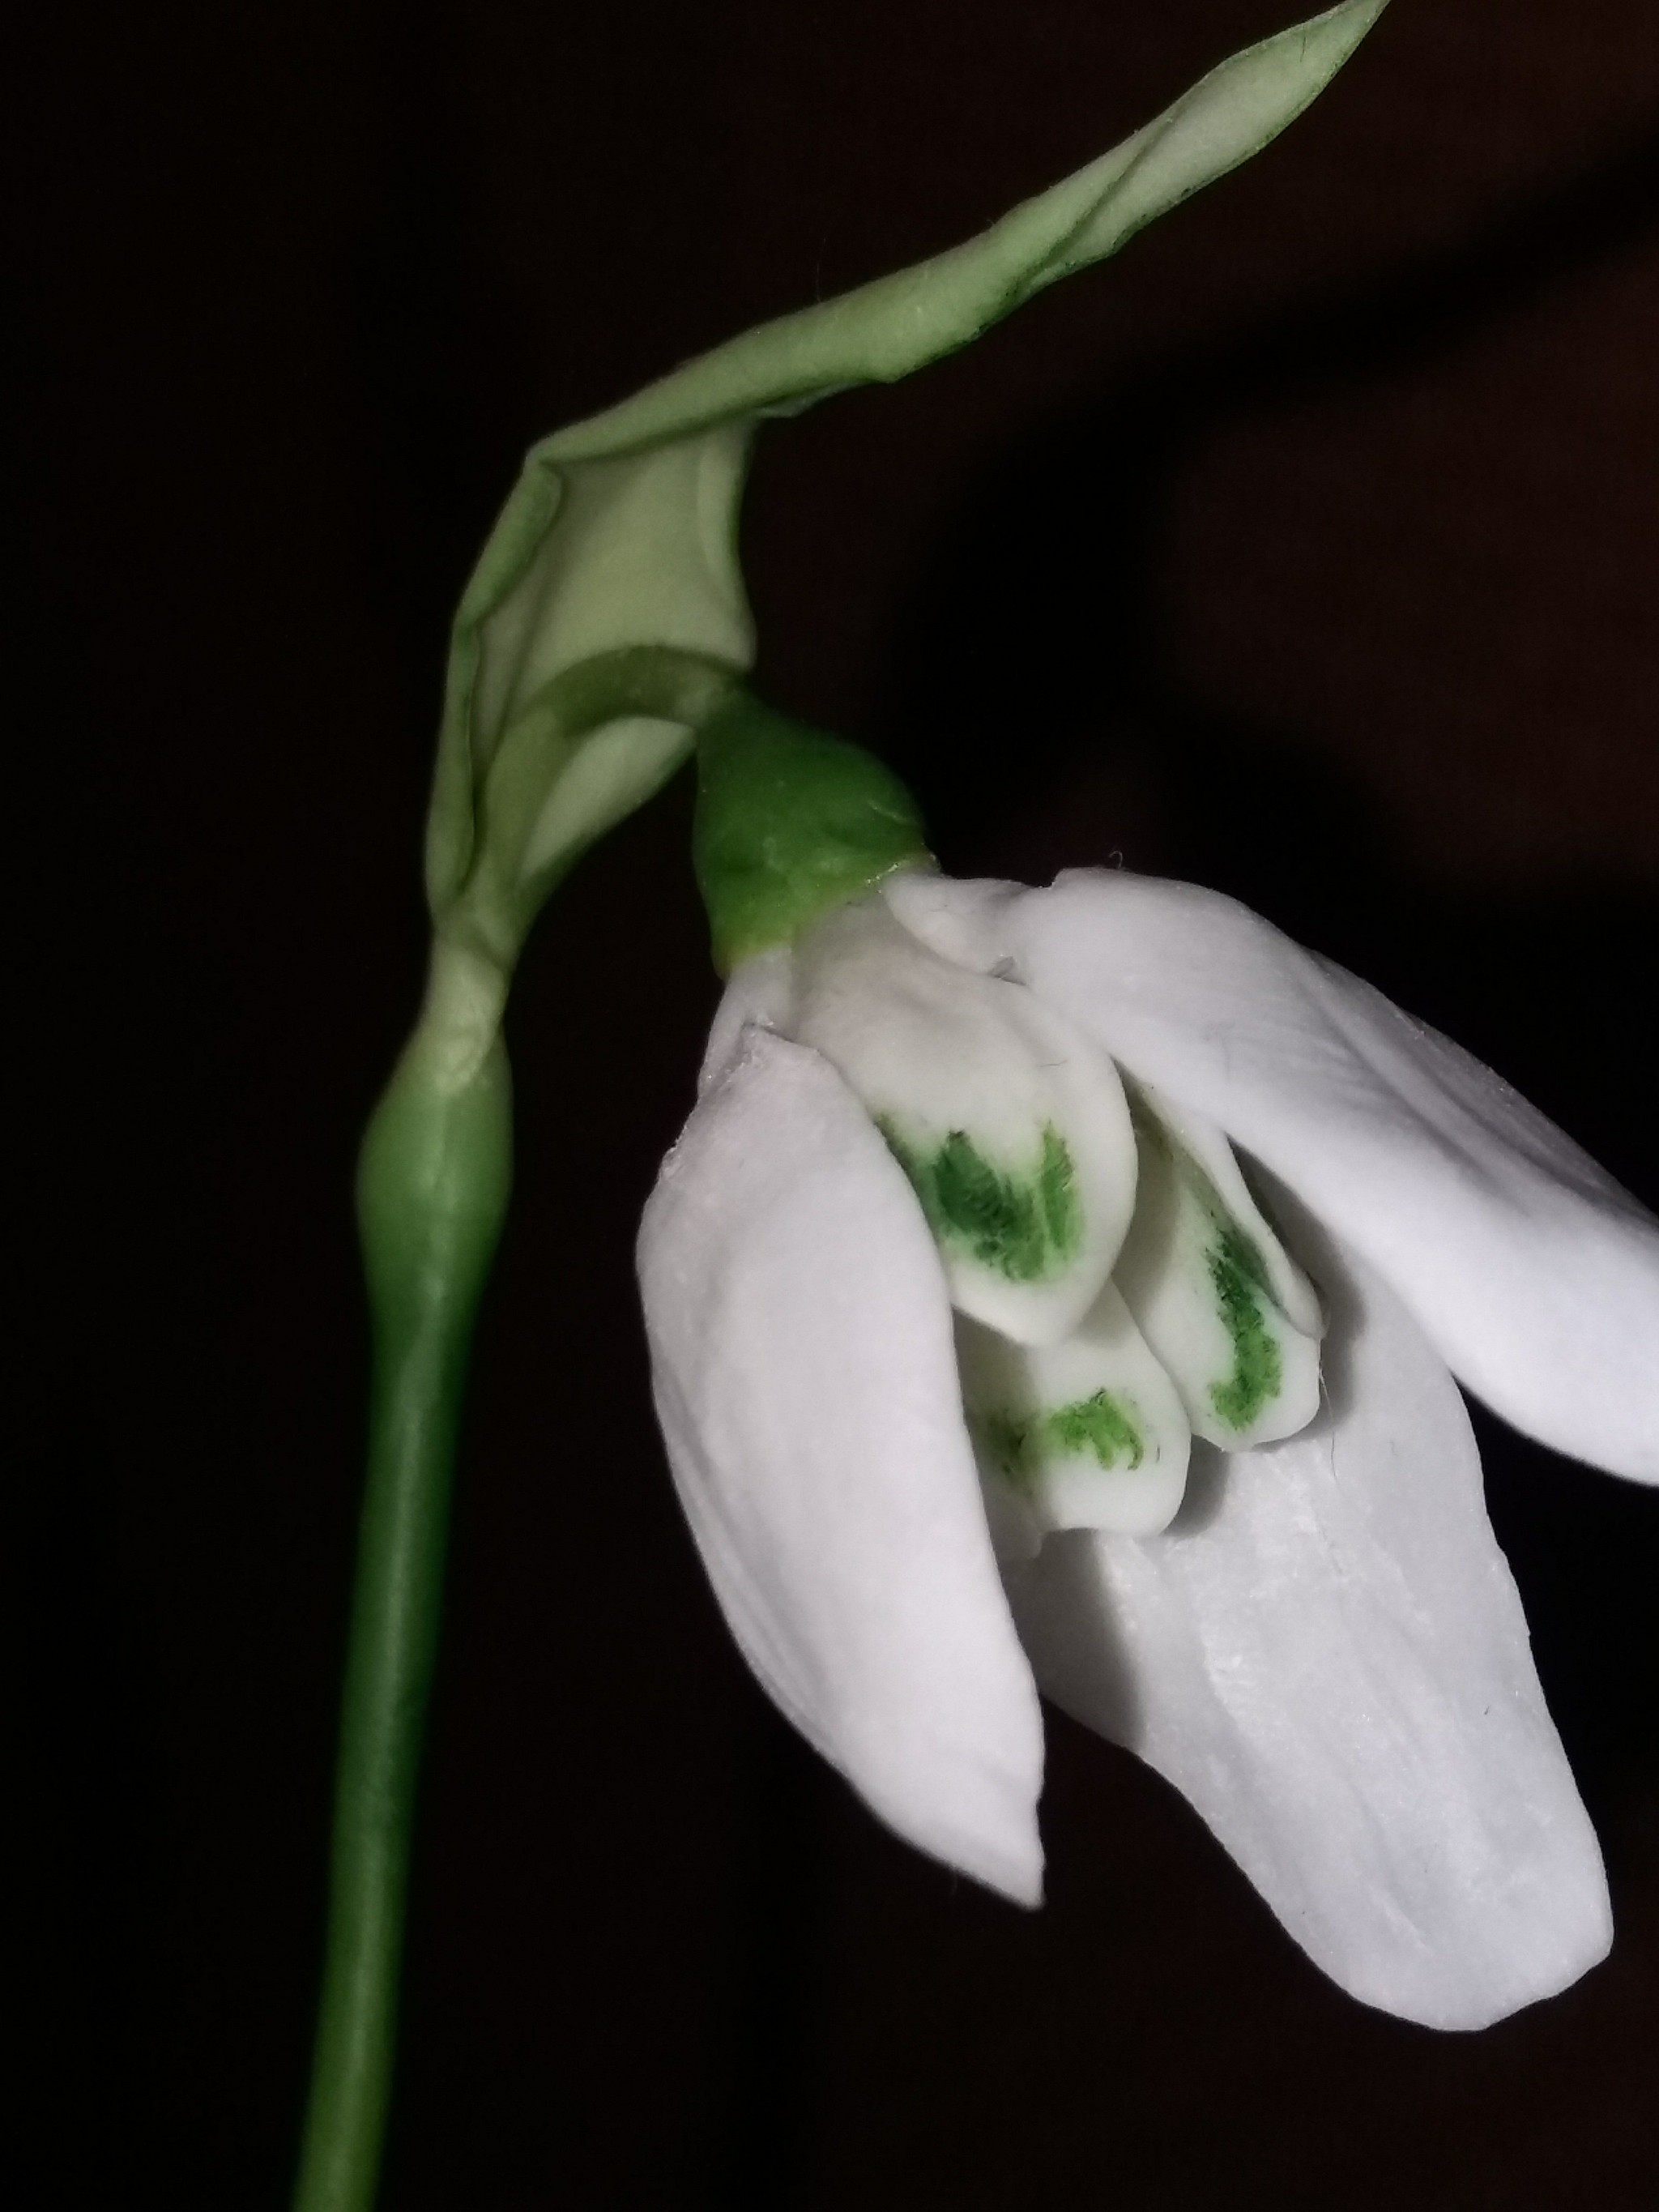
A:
620, 537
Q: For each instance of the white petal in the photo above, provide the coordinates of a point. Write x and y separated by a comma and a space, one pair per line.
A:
761, 990
1294, 1295
1200, 1275
1012, 1124
805, 1379
1327, 1655
1535, 1275
1088, 1433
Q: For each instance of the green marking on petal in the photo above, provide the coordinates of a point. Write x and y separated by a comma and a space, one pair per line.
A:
1097, 1424
1100, 1427
1236, 1272
1022, 1226
1057, 1184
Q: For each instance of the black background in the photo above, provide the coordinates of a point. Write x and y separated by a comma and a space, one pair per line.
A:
1308, 551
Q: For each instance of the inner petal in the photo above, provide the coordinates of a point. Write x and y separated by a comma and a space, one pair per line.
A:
1088, 1433
1209, 1284
1011, 1127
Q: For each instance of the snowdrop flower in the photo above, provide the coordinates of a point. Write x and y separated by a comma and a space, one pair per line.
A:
604, 635
987, 1361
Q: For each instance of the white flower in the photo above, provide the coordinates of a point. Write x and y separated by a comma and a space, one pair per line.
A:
1324, 1650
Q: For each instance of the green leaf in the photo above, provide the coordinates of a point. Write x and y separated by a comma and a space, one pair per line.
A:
621, 533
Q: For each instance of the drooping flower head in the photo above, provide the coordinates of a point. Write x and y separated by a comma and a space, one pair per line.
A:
1064, 1289
1055, 1286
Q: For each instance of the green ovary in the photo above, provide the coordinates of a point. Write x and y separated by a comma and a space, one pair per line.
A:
1022, 1226
1235, 1271
1099, 1425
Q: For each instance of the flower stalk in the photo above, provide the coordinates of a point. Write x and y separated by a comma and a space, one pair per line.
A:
432, 1190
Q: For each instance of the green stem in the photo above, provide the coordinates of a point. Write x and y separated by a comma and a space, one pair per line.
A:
431, 1191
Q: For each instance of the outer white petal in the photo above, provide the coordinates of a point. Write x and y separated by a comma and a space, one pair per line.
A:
1535, 1275
1328, 1656
805, 1380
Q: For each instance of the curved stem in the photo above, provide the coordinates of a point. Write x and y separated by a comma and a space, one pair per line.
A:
431, 1191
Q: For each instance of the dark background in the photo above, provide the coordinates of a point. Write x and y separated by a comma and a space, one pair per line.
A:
1309, 551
